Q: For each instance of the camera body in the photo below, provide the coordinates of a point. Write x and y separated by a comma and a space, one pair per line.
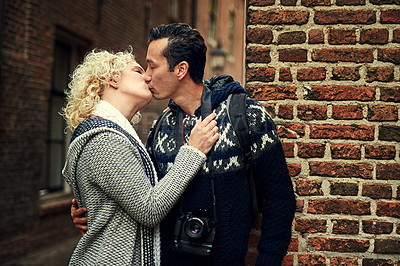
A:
194, 233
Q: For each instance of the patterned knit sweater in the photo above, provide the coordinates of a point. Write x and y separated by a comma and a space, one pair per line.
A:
234, 216
111, 174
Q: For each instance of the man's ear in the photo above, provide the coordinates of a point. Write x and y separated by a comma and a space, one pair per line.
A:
181, 69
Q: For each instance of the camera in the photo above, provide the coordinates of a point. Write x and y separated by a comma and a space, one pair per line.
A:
194, 233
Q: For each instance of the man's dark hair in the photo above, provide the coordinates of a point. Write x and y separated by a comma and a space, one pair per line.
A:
184, 44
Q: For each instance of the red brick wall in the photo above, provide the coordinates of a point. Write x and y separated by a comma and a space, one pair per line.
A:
328, 72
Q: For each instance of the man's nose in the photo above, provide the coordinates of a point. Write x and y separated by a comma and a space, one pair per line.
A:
147, 77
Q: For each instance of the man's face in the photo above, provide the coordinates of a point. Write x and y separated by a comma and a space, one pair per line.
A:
162, 83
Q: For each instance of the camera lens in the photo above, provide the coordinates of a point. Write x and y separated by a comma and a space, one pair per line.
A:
194, 227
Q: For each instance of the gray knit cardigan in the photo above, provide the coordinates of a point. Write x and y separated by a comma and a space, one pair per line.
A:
106, 174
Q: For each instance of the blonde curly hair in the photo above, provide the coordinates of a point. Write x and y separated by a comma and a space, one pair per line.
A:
89, 80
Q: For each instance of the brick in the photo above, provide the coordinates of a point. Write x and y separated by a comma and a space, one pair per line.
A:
385, 2
396, 35
347, 112
293, 55
299, 205
340, 261
261, 2
258, 55
288, 148
374, 36
345, 226
334, 55
377, 262
285, 111
288, 2
355, 132
345, 151
259, 35
315, 36
310, 226
382, 113
270, 109
377, 227
391, 16
311, 3
312, 112
344, 189
267, 93
380, 152
264, 74
388, 209
285, 74
294, 245
279, 17
294, 169
339, 206
294, 37
391, 55
342, 36
311, 74
388, 171
382, 74
346, 73
338, 244
287, 260
344, 17
342, 170
377, 191
291, 131
387, 246
390, 94
308, 259
311, 150
306, 187
398, 194
389, 133
341, 93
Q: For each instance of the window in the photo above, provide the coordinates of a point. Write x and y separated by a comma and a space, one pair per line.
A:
66, 53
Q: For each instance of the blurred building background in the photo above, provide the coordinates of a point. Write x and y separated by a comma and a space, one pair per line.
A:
41, 42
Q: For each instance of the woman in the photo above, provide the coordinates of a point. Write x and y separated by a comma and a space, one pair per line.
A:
110, 171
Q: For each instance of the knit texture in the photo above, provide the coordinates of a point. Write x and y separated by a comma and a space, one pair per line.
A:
111, 174
234, 216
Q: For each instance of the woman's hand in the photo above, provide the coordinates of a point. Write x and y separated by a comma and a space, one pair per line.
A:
78, 216
204, 134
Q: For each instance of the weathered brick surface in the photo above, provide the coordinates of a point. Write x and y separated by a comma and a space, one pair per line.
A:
377, 227
339, 123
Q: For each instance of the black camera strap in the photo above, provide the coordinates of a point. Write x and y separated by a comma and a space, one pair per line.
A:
206, 109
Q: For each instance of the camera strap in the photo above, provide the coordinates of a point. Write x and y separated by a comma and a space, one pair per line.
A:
206, 109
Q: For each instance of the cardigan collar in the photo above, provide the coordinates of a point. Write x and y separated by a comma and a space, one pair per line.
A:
108, 111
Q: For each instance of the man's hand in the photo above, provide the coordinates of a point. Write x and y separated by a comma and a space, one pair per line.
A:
78, 217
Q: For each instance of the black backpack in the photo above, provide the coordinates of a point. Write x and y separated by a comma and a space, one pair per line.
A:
236, 108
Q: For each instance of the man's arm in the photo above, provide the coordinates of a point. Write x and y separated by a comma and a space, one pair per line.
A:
272, 177
79, 218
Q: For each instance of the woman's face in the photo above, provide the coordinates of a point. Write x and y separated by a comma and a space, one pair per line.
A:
132, 84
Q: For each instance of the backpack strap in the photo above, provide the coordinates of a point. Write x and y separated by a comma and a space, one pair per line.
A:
236, 108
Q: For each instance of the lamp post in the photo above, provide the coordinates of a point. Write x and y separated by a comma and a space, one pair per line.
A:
218, 59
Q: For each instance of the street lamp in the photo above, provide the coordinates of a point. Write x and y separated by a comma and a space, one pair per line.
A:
217, 59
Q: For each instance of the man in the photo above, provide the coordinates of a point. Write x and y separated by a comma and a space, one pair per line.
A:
176, 59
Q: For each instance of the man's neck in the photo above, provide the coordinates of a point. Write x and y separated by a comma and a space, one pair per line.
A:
190, 97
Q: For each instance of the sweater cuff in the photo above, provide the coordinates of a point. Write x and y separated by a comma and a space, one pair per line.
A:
269, 259
194, 150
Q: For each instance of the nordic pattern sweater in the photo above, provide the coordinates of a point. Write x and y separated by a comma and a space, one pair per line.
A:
107, 173
234, 216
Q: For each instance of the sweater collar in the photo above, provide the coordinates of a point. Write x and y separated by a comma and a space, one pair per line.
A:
108, 111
